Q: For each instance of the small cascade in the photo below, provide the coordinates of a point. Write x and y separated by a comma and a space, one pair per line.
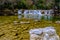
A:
36, 14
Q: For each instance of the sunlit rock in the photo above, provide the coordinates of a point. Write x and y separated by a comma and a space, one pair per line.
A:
36, 31
36, 34
24, 22
58, 22
48, 33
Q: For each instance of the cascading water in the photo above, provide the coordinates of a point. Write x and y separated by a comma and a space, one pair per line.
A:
19, 14
36, 14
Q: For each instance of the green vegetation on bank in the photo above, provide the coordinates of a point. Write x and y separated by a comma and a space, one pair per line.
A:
27, 4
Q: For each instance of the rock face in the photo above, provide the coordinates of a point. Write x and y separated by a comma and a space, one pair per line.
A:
48, 33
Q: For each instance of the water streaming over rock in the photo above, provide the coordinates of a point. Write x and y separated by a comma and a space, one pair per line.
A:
36, 14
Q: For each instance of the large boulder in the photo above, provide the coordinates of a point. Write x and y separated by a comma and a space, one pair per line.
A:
36, 34
48, 33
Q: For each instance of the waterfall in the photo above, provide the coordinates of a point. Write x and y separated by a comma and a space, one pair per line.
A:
36, 14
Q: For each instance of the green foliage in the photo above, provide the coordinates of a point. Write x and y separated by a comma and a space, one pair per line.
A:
57, 0
32, 7
7, 5
40, 4
49, 6
21, 5
57, 3
24, 4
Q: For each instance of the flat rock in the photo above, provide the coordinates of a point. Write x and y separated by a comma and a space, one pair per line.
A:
47, 33
24, 22
15, 22
36, 31
58, 22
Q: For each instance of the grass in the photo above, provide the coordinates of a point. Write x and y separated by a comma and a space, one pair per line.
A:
11, 31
